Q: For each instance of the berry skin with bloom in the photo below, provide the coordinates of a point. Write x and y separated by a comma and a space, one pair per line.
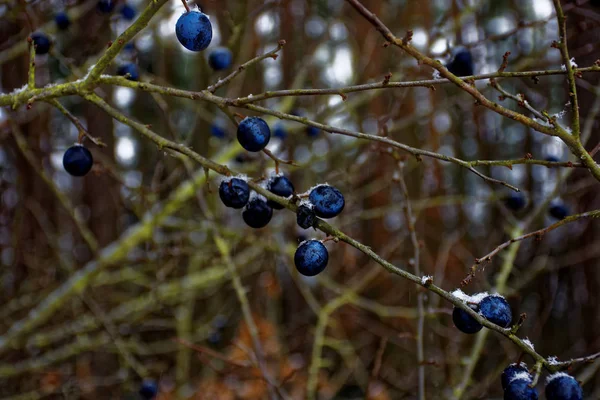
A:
253, 133
78, 160
464, 322
496, 310
220, 58
509, 373
461, 64
131, 69
62, 20
194, 31
106, 6
518, 389
42, 43
328, 201
128, 12
257, 213
305, 217
558, 210
281, 186
234, 192
515, 201
561, 386
149, 389
311, 257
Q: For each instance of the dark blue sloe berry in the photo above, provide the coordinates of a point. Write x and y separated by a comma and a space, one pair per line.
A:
518, 389
552, 158
128, 12
234, 192
461, 64
312, 131
217, 131
464, 322
214, 337
42, 43
281, 186
77, 160
509, 373
257, 213
311, 257
194, 30
561, 386
496, 310
220, 58
279, 131
106, 6
130, 70
558, 210
328, 201
62, 20
515, 201
149, 389
306, 216
253, 133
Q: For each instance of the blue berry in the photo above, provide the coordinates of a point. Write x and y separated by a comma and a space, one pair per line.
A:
461, 64
149, 389
558, 210
234, 192
42, 42
62, 20
496, 310
311, 257
257, 213
281, 186
128, 12
131, 69
106, 6
552, 158
509, 373
305, 216
194, 31
217, 131
464, 322
518, 389
515, 201
253, 133
220, 58
312, 131
279, 131
328, 201
561, 386
77, 160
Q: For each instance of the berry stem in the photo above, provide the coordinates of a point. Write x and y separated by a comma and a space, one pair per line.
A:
185, 4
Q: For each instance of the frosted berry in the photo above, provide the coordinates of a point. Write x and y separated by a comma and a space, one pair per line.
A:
496, 310
461, 64
281, 186
257, 213
194, 31
511, 371
220, 58
464, 322
253, 133
311, 257
77, 160
42, 43
518, 389
234, 192
328, 201
130, 70
149, 389
62, 20
561, 386
305, 216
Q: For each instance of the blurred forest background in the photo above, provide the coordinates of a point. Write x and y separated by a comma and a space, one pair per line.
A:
171, 281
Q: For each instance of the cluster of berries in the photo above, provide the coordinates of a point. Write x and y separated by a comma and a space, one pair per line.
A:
516, 201
492, 307
517, 384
